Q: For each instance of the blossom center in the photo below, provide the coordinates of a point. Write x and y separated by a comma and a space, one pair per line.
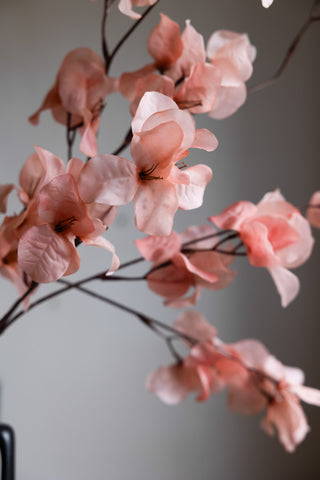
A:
147, 174
63, 225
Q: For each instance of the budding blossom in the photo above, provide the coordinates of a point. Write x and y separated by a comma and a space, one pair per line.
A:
177, 268
276, 235
162, 135
216, 87
76, 99
255, 380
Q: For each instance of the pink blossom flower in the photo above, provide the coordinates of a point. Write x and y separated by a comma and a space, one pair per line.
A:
217, 88
162, 134
255, 379
77, 95
47, 251
276, 235
199, 267
232, 54
313, 212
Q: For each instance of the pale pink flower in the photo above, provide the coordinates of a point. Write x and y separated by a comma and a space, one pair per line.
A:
47, 251
276, 235
217, 88
313, 212
255, 379
79, 91
232, 54
198, 268
125, 7
162, 134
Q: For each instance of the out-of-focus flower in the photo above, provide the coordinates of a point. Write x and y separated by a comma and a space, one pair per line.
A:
216, 87
276, 235
199, 267
254, 378
77, 96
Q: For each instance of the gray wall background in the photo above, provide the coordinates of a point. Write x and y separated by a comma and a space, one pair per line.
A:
72, 372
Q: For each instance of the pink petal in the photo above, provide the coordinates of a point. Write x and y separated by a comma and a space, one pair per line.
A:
169, 282
205, 140
306, 394
164, 43
59, 200
233, 216
182, 261
184, 302
234, 47
228, 101
297, 253
198, 231
214, 264
255, 236
151, 102
199, 90
193, 52
108, 179
51, 100
172, 384
195, 325
287, 284
52, 164
44, 255
157, 147
155, 205
191, 196
128, 81
159, 249
288, 418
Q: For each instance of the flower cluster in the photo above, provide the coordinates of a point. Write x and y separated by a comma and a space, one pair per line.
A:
255, 379
64, 206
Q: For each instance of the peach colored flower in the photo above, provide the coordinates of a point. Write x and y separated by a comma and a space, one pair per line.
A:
198, 267
232, 54
162, 134
255, 379
217, 88
46, 250
79, 91
276, 235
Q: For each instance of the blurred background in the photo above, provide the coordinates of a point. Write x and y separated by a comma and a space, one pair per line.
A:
72, 372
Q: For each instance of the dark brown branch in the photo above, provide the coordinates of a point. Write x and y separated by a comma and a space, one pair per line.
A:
127, 35
313, 17
125, 143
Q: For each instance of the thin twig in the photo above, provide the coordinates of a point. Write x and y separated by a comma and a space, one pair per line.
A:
290, 52
125, 143
127, 35
71, 136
